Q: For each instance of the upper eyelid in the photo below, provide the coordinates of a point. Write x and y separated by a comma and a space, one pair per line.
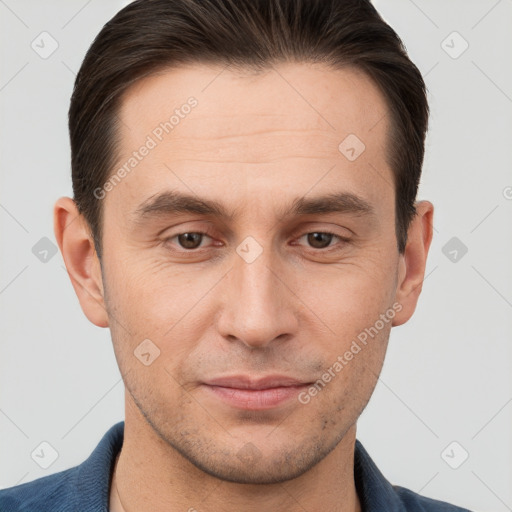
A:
204, 232
292, 230
207, 232
342, 239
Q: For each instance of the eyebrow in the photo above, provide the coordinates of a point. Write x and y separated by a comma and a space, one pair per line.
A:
168, 203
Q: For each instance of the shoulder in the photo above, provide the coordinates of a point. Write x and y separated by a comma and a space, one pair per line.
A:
417, 503
53, 492
82, 488
377, 493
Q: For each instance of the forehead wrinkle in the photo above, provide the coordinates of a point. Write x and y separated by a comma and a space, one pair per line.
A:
173, 202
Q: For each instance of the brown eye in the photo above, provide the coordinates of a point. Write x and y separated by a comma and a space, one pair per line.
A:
319, 240
190, 243
190, 240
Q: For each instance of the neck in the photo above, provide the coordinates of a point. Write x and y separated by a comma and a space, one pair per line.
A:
150, 475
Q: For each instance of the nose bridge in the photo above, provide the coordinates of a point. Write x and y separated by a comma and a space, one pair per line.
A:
253, 275
257, 309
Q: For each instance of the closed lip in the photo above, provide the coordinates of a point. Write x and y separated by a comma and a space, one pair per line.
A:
248, 382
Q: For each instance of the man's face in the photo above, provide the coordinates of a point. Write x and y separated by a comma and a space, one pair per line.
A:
264, 292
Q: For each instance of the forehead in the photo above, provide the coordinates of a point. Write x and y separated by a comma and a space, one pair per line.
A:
331, 100
251, 132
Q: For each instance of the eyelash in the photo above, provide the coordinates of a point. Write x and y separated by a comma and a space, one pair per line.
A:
343, 240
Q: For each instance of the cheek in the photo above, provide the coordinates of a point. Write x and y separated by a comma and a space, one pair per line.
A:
162, 303
146, 289
349, 298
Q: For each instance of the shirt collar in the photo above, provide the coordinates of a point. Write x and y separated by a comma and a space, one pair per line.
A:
374, 491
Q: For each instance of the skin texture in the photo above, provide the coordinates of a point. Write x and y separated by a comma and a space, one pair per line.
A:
254, 143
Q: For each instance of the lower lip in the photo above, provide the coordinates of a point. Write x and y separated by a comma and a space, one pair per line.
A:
256, 399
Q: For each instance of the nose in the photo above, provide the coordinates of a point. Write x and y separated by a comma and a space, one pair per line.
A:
259, 305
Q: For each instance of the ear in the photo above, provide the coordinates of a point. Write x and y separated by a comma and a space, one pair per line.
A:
412, 263
82, 263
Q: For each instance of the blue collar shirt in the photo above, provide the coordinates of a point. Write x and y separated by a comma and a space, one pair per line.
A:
86, 487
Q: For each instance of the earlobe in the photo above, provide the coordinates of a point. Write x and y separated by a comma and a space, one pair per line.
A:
413, 262
79, 254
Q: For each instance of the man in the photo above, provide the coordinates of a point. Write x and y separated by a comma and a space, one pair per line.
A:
245, 222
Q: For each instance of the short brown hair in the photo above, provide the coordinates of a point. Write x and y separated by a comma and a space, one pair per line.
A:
149, 35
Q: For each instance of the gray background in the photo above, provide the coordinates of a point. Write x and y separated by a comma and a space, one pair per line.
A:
447, 374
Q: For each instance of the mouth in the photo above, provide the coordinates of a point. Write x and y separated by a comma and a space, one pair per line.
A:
253, 393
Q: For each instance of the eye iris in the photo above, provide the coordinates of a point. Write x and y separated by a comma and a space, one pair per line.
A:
314, 238
189, 240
